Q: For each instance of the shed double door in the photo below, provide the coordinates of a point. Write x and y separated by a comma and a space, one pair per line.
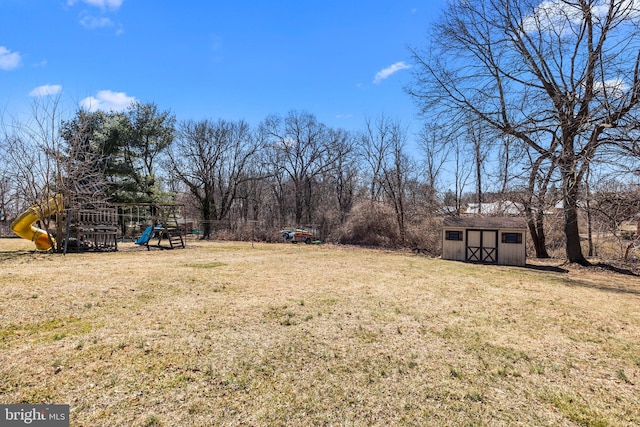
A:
482, 246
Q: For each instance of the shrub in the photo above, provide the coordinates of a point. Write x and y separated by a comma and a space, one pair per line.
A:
369, 224
425, 236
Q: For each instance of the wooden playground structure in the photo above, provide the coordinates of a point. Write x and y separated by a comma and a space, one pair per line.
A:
91, 228
157, 225
98, 227
81, 219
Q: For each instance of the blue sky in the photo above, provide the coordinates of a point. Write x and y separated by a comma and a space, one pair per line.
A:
340, 60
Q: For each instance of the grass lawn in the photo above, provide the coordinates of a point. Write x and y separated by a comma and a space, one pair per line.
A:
283, 334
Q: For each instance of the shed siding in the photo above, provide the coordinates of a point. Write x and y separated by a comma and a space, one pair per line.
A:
453, 249
512, 253
507, 253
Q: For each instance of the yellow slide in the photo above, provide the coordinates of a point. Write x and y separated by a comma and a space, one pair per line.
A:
23, 224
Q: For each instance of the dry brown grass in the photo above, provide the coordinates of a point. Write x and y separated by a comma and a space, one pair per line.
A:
227, 334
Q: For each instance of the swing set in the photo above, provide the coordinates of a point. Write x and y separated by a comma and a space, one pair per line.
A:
153, 225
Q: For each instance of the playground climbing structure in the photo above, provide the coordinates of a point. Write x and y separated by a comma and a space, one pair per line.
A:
91, 227
86, 223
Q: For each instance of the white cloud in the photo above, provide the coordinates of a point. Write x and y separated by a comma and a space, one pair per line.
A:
106, 100
558, 15
616, 88
390, 70
9, 60
102, 4
551, 15
91, 22
344, 116
46, 90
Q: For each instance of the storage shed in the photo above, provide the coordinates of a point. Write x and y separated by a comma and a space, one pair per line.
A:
491, 240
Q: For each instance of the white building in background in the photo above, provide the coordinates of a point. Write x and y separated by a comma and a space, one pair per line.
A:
502, 208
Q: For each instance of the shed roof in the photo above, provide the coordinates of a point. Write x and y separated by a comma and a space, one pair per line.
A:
484, 222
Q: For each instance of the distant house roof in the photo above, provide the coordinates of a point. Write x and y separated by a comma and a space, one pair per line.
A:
484, 222
449, 210
560, 204
505, 207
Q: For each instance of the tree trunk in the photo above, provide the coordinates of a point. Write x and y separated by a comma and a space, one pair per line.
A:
589, 217
478, 161
570, 208
298, 202
206, 219
536, 229
542, 239
590, 229
308, 197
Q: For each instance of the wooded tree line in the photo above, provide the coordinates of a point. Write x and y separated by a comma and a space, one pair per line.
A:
353, 187
532, 101
288, 170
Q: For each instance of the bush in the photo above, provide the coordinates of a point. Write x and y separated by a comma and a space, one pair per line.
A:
425, 236
369, 224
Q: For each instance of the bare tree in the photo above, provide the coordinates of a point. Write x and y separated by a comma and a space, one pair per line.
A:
383, 148
396, 177
375, 145
613, 204
535, 202
478, 139
212, 160
300, 150
84, 158
435, 147
508, 155
461, 172
343, 174
8, 199
557, 73
33, 149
